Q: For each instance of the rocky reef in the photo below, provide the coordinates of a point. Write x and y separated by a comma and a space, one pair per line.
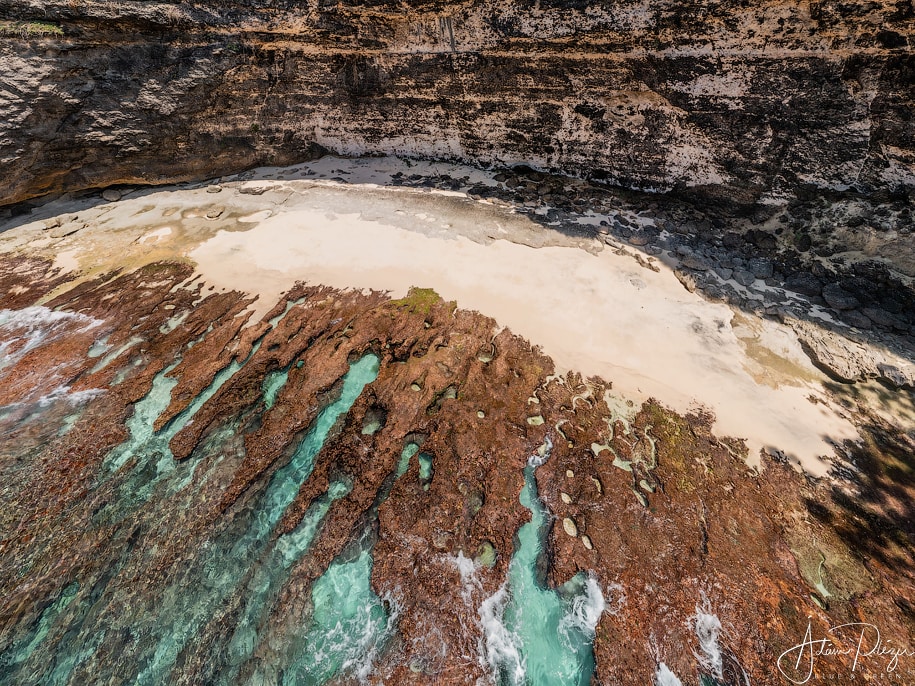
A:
140, 542
739, 102
658, 428
207, 483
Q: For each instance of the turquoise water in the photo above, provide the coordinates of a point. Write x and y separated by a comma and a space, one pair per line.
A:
75, 609
149, 446
404, 463
114, 354
286, 482
291, 546
140, 424
535, 635
425, 468
98, 348
154, 460
236, 575
273, 321
267, 579
350, 625
424, 459
226, 587
21, 651
174, 322
245, 547
273, 383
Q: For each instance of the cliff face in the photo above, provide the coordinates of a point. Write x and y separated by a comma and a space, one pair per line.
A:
748, 100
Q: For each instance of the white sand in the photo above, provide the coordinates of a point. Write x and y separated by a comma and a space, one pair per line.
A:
589, 309
601, 315
157, 235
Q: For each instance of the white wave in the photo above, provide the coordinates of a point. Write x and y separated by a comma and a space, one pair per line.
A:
542, 454
471, 589
584, 613
464, 565
503, 647
357, 642
469, 582
59, 393
708, 629
36, 316
35, 325
361, 662
664, 677
63, 393
616, 595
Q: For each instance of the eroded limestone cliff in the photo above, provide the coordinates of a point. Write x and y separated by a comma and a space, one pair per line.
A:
744, 100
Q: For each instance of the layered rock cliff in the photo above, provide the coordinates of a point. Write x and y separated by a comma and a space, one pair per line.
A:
747, 100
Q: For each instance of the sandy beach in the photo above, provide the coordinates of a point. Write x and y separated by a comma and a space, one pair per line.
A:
590, 309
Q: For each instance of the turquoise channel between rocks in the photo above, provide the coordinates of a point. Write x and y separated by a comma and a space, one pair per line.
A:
544, 637
234, 556
350, 624
244, 566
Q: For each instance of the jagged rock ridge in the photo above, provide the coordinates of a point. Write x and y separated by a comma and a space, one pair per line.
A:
676, 520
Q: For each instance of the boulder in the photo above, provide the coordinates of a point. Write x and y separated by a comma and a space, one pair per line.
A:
838, 298
804, 283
